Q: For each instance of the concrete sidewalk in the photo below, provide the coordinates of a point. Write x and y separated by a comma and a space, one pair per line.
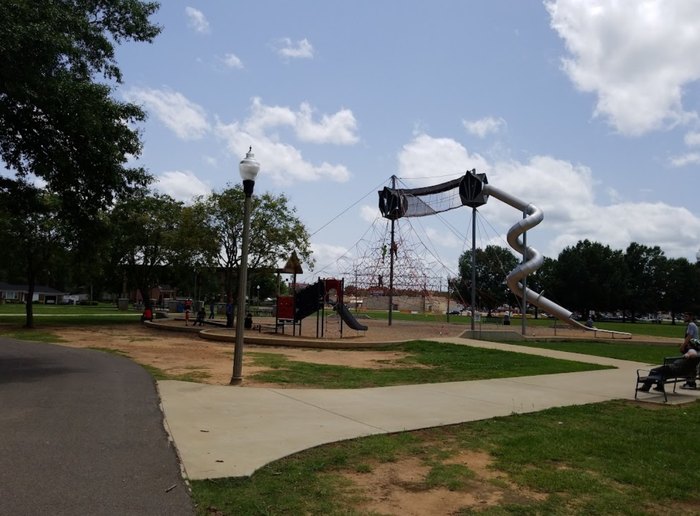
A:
223, 431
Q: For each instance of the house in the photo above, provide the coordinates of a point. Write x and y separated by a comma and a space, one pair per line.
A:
160, 295
14, 293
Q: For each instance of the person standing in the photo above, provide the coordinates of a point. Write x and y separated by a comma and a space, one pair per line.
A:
229, 314
690, 342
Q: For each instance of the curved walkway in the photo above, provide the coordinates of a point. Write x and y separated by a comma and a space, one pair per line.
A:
223, 431
82, 433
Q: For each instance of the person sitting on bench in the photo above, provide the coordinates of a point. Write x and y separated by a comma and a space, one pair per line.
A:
683, 366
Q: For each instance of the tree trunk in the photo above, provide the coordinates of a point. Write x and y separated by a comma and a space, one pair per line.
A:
29, 306
146, 296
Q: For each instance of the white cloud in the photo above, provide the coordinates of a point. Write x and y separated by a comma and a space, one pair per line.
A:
338, 128
692, 139
484, 126
330, 259
565, 192
196, 20
185, 118
211, 161
232, 61
301, 49
426, 160
637, 57
444, 238
265, 117
181, 185
282, 161
369, 213
691, 158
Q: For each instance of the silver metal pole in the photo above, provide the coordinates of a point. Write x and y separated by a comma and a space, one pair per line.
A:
523, 313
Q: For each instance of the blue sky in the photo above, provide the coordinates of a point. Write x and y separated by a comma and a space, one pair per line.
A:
586, 109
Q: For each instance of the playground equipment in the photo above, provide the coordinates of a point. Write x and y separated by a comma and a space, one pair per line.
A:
473, 190
415, 271
292, 309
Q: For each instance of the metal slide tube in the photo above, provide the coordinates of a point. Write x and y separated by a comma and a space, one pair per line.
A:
533, 259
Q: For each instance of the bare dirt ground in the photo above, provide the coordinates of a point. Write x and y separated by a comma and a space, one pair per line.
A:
389, 488
185, 353
178, 353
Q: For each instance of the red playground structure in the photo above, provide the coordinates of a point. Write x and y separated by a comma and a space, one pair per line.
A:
292, 309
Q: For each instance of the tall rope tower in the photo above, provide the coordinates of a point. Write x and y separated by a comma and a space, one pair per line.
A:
416, 272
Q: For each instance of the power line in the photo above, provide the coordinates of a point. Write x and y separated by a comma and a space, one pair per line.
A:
347, 209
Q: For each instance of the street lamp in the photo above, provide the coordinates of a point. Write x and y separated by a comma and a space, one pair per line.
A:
248, 169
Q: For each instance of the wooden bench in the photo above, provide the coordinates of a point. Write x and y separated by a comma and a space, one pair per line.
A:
644, 375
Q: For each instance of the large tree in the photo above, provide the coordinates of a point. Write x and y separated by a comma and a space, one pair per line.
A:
145, 228
60, 128
682, 289
589, 277
492, 266
275, 231
36, 241
646, 276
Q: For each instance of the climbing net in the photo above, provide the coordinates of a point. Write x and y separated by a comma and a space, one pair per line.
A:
416, 270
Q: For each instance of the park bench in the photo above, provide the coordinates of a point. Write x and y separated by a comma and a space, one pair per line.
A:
644, 374
275, 326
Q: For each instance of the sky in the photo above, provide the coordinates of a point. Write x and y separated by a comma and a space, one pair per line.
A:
586, 109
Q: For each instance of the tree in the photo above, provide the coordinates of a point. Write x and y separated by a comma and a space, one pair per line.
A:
31, 234
645, 278
194, 250
144, 228
275, 231
492, 266
682, 288
589, 276
58, 122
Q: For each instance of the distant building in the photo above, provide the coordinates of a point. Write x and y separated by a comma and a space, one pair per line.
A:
10, 293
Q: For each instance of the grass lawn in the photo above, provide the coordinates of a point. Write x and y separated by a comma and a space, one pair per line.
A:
66, 315
609, 458
636, 352
427, 362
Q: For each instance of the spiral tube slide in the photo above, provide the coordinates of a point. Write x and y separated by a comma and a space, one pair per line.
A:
533, 259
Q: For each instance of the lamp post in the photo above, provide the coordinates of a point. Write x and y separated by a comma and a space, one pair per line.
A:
249, 169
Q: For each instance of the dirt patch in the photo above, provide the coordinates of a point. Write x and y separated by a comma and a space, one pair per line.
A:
209, 361
400, 487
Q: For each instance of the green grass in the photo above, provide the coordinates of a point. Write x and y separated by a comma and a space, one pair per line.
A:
636, 352
609, 458
14, 332
67, 315
426, 362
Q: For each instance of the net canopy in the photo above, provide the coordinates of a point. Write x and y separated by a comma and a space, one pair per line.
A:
395, 203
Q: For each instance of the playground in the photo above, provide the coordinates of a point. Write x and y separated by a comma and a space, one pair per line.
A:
210, 361
178, 351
